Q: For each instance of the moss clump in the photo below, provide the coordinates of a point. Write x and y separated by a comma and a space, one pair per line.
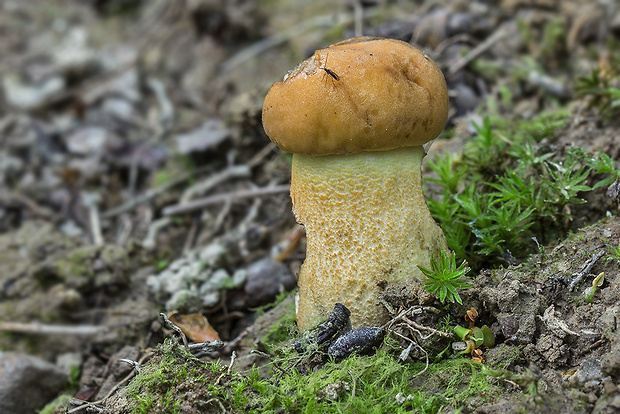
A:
376, 384
284, 329
59, 405
509, 186
504, 356
174, 381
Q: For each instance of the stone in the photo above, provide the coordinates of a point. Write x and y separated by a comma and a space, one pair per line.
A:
265, 280
27, 383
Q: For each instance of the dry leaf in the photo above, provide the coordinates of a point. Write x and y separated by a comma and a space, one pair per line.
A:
194, 326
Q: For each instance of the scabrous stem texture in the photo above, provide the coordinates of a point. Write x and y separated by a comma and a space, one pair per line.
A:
367, 223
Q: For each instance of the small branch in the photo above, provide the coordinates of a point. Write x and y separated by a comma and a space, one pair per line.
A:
432, 331
218, 198
415, 344
166, 108
228, 372
578, 277
260, 155
95, 223
233, 357
25, 201
477, 51
298, 29
200, 188
92, 405
358, 16
267, 356
134, 364
175, 328
44, 329
208, 346
219, 403
150, 194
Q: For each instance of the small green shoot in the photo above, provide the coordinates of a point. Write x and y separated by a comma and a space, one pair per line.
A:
602, 86
601, 92
445, 278
588, 294
604, 164
162, 264
509, 186
614, 252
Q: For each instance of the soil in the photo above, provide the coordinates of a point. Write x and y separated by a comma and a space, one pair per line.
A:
117, 114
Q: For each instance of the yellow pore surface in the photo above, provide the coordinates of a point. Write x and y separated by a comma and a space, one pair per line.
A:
366, 223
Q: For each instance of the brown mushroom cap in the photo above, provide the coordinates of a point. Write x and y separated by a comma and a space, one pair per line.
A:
363, 94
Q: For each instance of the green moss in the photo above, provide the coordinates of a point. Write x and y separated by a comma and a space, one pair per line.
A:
613, 253
174, 381
376, 384
283, 329
504, 356
59, 405
509, 186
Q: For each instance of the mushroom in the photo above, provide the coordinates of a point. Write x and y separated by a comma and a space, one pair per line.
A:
356, 116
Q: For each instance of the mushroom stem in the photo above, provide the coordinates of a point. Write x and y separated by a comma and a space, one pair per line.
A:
367, 225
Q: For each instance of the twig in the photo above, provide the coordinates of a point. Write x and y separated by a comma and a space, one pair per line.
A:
415, 344
208, 346
477, 51
221, 217
175, 328
95, 223
514, 384
125, 227
291, 244
200, 188
150, 194
432, 331
358, 16
231, 345
191, 234
352, 391
93, 404
150, 240
409, 312
134, 364
279, 38
265, 355
233, 357
82, 89
44, 329
260, 155
459, 38
218, 198
219, 402
166, 109
578, 277
30, 204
